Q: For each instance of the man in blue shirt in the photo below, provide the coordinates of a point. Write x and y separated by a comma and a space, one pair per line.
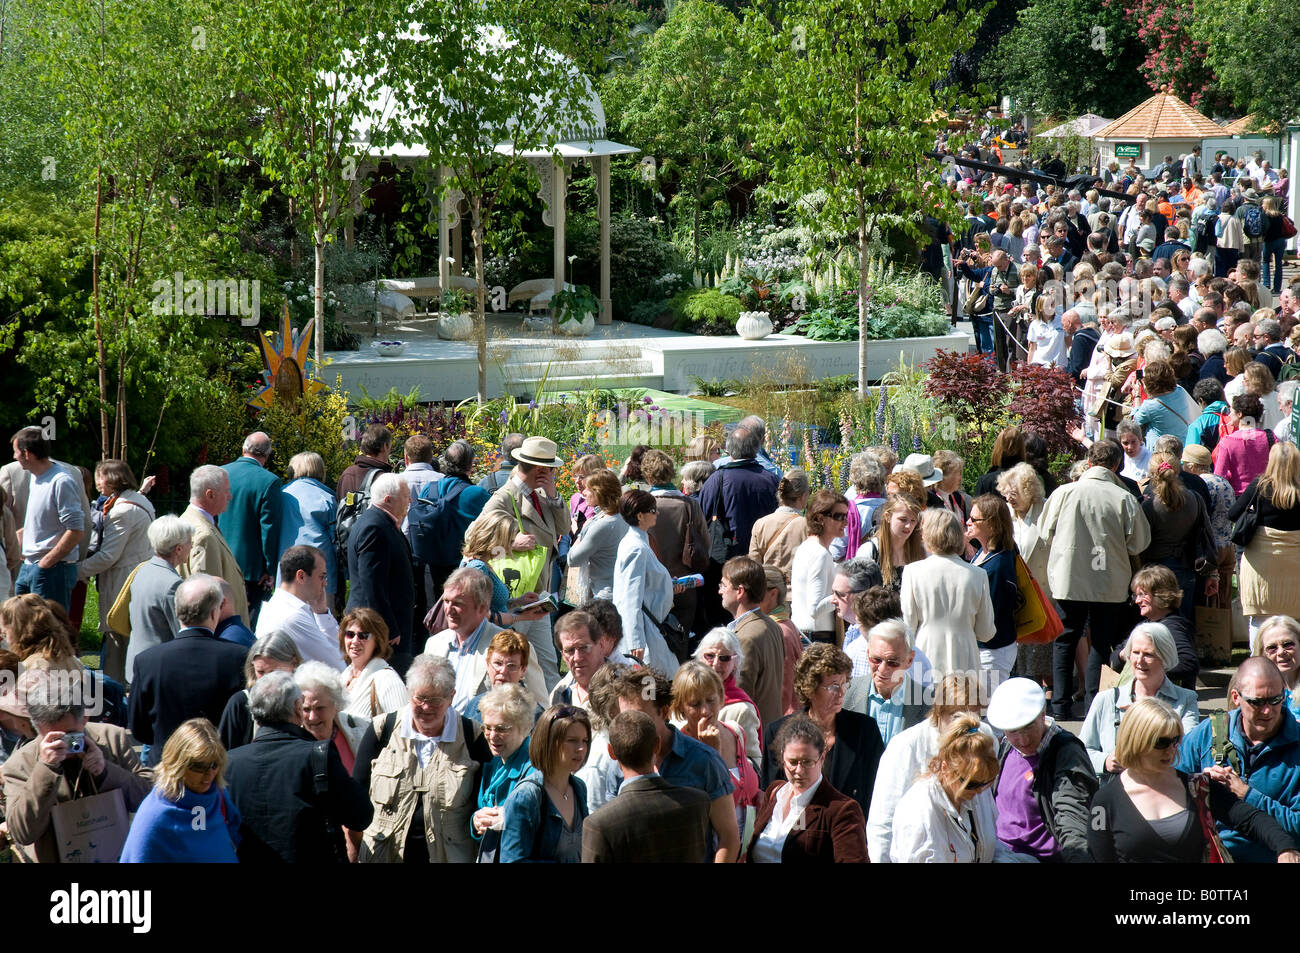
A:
1258, 760
680, 760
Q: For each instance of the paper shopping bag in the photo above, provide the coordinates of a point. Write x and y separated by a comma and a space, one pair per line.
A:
91, 830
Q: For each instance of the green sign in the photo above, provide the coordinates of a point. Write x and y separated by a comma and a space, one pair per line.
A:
1127, 150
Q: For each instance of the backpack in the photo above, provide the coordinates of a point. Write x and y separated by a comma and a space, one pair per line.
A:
1252, 220
433, 525
1290, 371
348, 511
1210, 438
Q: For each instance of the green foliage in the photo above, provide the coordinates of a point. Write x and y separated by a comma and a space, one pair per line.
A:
899, 305
678, 100
706, 311
318, 423
390, 401
574, 303
1263, 77
643, 264
844, 100
1051, 62
716, 388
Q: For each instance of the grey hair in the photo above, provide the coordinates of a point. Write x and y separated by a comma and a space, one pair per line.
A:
430, 671
472, 582
1272, 622
206, 478
755, 425
1169, 443
316, 676
167, 532
892, 630
1199, 266
511, 443
866, 473
742, 444
196, 599
458, 458
309, 463
387, 486
511, 702
1160, 637
274, 698
52, 695
276, 645
1286, 391
258, 443
724, 637
1271, 327
862, 574
695, 473
1211, 341
1127, 425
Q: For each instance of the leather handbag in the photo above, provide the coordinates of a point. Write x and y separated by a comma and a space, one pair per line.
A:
1243, 530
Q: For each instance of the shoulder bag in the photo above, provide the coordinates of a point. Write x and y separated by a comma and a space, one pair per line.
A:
720, 535
1243, 530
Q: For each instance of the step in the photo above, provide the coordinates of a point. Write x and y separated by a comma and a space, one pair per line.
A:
593, 367
519, 387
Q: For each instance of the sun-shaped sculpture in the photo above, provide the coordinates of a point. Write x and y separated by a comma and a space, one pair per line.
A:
285, 356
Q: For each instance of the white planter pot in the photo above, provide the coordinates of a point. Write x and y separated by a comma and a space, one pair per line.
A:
389, 348
456, 327
577, 327
753, 325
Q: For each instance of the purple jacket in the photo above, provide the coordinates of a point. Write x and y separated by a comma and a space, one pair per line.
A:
748, 494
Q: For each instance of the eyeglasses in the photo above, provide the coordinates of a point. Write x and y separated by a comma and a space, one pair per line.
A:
977, 786
844, 596
504, 665
203, 767
835, 688
355, 634
890, 662
427, 702
1277, 648
796, 763
712, 657
1271, 702
978, 519
498, 729
1164, 744
577, 651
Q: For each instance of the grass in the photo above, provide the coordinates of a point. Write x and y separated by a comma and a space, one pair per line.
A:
89, 639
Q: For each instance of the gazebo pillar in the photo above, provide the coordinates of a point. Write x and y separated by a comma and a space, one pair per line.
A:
559, 192
606, 315
444, 270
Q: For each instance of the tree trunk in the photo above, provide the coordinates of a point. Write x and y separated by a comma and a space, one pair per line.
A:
99, 328
480, 311
318, 297
862, 301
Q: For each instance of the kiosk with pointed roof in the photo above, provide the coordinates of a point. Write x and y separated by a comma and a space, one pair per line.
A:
1163, 125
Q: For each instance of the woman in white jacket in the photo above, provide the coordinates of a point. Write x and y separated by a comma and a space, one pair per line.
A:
813, 569
642, 586
946, 601
908, 756
949, 816
123, 544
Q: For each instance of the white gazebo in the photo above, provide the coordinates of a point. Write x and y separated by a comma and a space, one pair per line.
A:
1162, 125
1084, 127
581, 137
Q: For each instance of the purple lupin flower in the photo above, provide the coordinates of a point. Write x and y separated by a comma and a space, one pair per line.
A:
880, 409
893, 441
916, 442
826, 474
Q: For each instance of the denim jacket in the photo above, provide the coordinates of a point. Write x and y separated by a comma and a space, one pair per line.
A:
532, 824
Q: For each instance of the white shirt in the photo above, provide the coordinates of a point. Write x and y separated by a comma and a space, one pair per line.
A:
390, 693
789, 812
423, 744
811, 575
1050, 339
930, 829
316, 634
446, 644
1135, 468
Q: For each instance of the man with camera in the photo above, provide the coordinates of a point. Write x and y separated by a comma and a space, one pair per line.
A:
69, 759
992, 289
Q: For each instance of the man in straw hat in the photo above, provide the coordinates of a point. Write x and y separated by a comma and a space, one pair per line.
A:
530, 498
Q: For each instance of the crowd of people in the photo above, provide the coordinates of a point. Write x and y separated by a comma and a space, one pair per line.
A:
323, 677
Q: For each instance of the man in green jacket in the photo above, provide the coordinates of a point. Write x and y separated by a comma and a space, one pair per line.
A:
251, 523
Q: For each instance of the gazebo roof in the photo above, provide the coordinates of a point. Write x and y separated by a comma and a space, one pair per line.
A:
1249, 126
1086, 125
1163, 116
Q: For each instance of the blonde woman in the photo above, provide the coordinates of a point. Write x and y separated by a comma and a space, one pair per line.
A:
777, 535
189, 786
489, 537
897, 541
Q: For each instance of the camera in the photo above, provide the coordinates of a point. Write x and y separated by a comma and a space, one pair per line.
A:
76, 742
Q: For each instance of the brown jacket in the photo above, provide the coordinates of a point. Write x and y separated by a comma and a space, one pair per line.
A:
776, 537
678, 516
833, 830
762, 669
33, 788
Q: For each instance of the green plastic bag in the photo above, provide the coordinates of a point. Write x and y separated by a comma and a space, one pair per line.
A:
521, 572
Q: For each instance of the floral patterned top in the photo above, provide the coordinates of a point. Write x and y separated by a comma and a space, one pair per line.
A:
1221, 499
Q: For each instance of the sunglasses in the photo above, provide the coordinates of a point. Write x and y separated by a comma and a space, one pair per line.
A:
356, 634
890, 662
1164, 744
840, 517
1271, 702
715, 657
977, 786
203, 767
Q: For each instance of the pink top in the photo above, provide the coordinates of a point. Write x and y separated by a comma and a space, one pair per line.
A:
1241, 456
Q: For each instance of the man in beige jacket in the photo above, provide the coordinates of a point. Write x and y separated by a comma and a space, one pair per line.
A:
209, 497
531, 499
1093, 527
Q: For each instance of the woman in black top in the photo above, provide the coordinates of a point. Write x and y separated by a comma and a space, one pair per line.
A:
1153, 813
1008, 450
